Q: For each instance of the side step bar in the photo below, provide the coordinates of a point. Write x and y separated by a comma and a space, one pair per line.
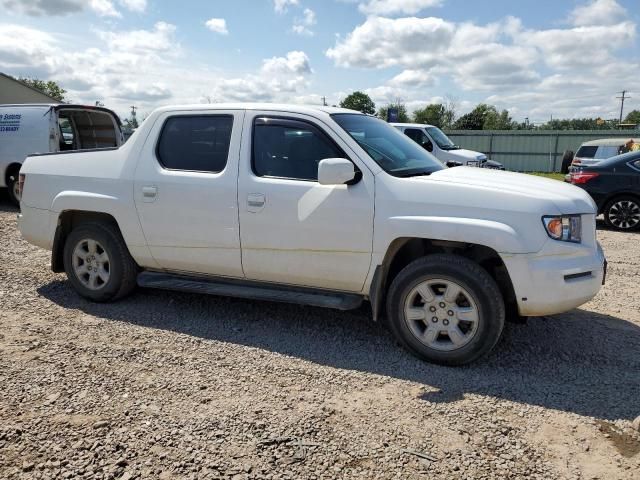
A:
252, 290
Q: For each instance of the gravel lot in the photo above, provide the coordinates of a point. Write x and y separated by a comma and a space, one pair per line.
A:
167, 385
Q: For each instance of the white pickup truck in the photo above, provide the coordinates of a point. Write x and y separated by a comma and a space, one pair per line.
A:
319, 206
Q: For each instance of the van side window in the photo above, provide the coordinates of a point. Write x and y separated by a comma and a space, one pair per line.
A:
197, 143
291, 149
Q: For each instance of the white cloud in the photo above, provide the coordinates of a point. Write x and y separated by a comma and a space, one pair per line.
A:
383, 42
143, 68
281, 6
302, 25
412, 78
160, 39
531, 71
104, 8
218, 25
38, 8
393, 7
295, 63
598, 12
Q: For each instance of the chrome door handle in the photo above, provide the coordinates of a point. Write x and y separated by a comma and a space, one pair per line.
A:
149, 193
255, 202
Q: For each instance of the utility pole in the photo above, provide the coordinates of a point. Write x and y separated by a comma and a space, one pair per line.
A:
324, 101
622, 99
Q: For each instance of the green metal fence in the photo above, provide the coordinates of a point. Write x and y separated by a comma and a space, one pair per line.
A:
531, 150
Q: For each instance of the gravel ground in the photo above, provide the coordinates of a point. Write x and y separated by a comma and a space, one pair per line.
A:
177, 386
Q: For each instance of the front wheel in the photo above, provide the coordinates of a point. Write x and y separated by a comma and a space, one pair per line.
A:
623, 213
446, 309
98, 263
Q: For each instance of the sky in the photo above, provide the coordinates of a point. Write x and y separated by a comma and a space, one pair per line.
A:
536, 58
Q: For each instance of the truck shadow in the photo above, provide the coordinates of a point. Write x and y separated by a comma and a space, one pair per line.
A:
581, 362
5, 204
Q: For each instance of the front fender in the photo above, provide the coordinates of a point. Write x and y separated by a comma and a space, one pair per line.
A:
496, 235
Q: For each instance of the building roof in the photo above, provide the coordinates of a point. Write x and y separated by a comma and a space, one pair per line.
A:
9, 77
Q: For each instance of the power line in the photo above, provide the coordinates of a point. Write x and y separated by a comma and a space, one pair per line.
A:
622, 99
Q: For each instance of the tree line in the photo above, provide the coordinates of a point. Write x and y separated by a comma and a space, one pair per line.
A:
482, 117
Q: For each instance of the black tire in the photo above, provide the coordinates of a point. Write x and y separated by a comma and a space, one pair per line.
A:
567, 158
467, 274
12, 182
122, 268
610, 218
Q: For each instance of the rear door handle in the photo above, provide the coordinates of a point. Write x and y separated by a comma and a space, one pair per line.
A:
255, 202
149, 193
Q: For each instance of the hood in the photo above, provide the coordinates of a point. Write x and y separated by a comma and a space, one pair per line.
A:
463, 155
567, 198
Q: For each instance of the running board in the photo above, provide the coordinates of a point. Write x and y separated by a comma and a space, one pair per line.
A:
251, 290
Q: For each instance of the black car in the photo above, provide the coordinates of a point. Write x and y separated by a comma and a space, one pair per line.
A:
614, 184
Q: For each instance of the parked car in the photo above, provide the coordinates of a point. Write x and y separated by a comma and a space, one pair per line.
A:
614, 184
594, 151
436, 142
43, 128
320, 206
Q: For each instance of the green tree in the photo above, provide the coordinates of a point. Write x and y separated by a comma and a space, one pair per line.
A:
485, 117
580, 124
359, 101
403, 116
633, 117
433, 114
48, 87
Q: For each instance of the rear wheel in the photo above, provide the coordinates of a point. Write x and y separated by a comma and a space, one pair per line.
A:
446, 309
567, 158
14, 192
98, 263
623, 213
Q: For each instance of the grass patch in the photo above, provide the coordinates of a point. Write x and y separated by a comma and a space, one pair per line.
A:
555, 176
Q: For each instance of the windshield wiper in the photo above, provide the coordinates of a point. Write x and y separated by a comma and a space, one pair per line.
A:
414, 174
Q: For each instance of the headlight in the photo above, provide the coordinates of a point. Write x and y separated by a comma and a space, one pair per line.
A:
566, 228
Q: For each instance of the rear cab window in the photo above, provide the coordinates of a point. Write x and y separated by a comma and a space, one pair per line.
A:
196, 143
587, 151
83, 128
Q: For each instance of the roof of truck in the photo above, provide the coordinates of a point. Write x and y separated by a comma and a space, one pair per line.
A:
412, 125
293, 108
609, 142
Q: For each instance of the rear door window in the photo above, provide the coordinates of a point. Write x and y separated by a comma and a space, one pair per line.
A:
197, 143
606, 152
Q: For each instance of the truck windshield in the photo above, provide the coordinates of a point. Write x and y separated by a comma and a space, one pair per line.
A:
441, 139
396, 153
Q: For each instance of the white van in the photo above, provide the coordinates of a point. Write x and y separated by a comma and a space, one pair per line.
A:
436, 141
44, 128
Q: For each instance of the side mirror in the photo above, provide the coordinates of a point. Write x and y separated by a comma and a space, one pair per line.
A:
336, 171
453, 163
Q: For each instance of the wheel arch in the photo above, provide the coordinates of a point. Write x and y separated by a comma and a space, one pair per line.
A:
67, 221
405, 250
619, 193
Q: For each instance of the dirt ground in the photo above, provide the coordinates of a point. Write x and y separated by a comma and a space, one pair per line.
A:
165, 385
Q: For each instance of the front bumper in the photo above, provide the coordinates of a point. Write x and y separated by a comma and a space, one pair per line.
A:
548, 283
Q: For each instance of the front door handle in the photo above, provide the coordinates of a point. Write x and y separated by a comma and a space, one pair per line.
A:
255, 202
149, 193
